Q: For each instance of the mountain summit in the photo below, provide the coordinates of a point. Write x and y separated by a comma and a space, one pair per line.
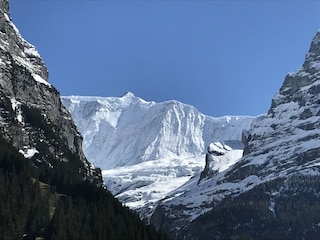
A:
128, 95
272, 192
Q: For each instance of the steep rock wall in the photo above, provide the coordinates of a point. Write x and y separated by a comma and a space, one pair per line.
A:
32, 117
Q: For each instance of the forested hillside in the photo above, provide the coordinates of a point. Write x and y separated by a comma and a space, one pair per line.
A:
74, 209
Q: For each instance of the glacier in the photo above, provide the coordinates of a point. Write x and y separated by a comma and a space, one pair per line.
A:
146, 149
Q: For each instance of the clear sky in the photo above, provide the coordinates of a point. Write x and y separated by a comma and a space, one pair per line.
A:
223, 57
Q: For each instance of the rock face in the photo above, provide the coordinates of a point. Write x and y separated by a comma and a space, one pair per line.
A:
272, 192
291, 126
32, 117
215, 149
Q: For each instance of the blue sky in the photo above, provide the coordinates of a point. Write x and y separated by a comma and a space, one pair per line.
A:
223, 57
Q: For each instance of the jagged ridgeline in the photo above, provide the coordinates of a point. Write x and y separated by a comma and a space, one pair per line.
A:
48, 189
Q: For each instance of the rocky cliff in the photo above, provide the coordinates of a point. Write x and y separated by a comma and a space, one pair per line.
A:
32, 117
272, 192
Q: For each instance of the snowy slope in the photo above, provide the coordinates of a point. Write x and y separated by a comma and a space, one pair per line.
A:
142, 185
148, 149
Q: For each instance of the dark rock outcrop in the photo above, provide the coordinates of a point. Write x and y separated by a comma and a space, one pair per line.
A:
214, 149
32, 117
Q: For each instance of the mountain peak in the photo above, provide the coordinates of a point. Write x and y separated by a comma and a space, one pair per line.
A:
128, 95
315, 44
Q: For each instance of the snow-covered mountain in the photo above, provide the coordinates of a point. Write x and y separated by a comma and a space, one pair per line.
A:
123, 131
148, 149
273, 191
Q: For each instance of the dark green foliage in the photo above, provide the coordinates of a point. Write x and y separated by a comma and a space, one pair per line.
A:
23, 208
100, 218
68, 208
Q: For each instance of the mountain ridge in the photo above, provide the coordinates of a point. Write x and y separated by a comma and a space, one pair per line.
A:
175, 117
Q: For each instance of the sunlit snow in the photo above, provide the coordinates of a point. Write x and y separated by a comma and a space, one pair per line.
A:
28, 152
16, 108
40, 79
150, 181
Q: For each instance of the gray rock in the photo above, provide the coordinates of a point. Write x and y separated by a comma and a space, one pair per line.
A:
31, 113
